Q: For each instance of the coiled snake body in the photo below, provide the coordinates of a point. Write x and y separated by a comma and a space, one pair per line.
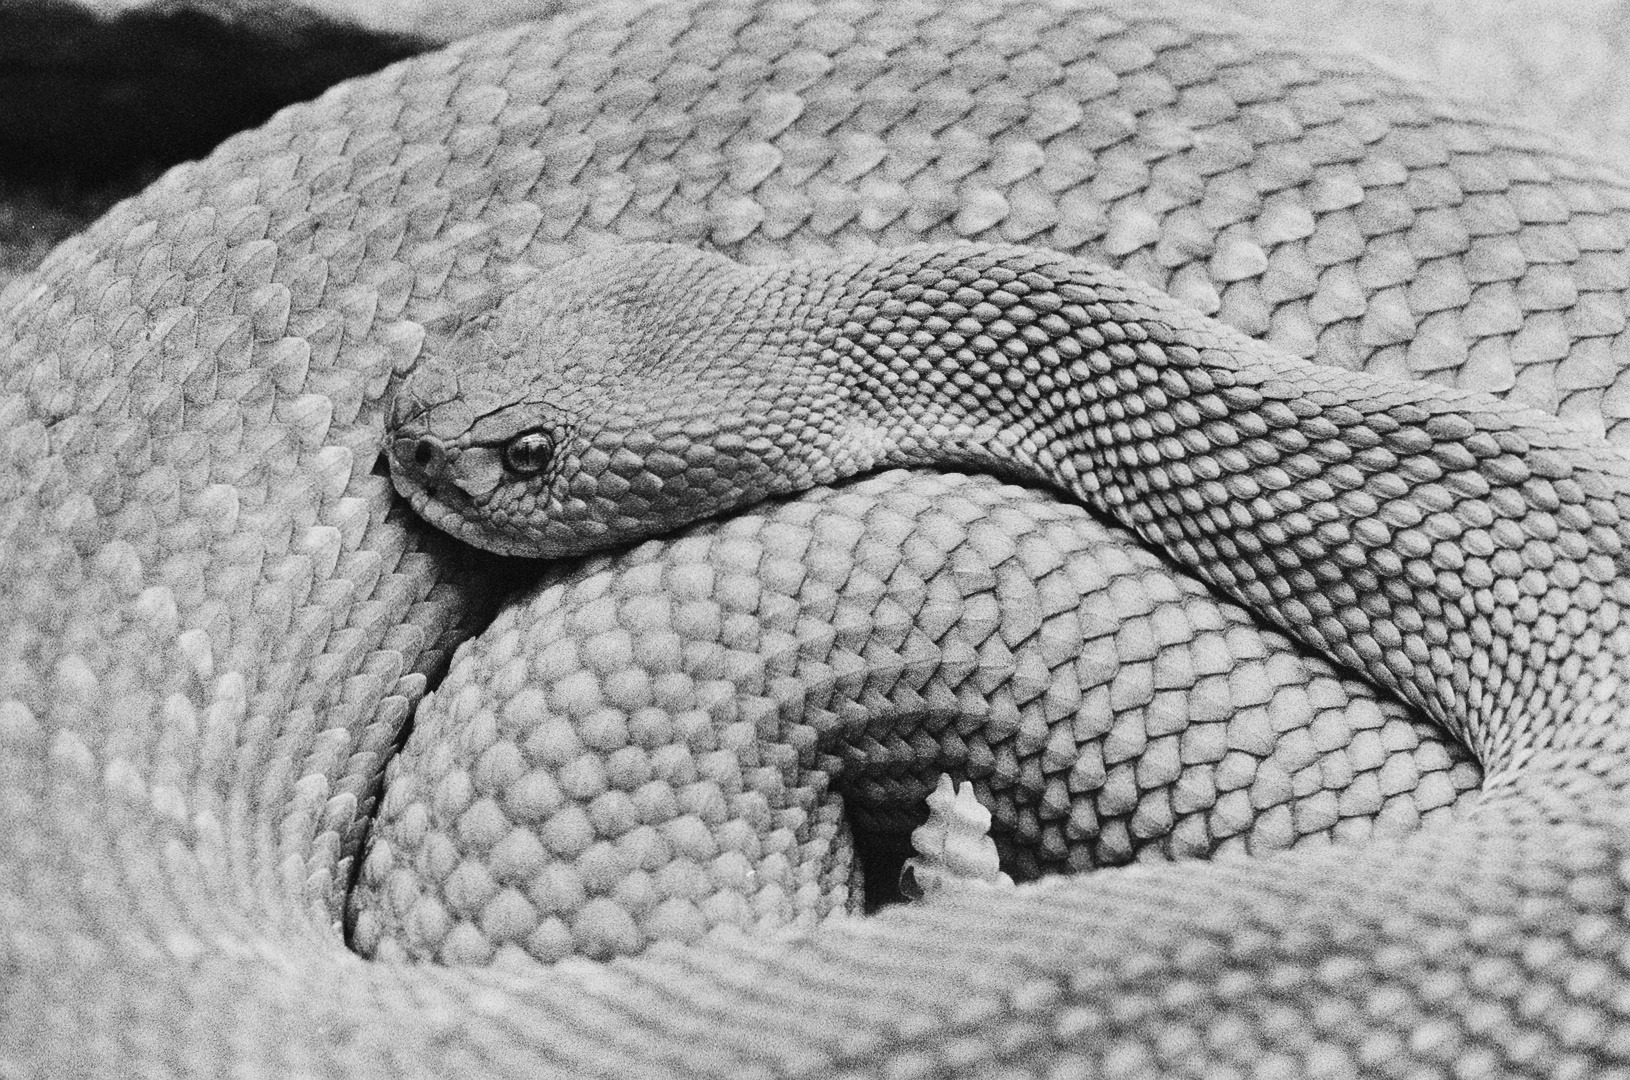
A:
218, 619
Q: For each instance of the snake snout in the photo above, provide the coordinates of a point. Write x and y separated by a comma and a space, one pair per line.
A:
424, 460
424, 455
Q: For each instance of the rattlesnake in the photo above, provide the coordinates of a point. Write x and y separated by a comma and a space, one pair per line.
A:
219, 619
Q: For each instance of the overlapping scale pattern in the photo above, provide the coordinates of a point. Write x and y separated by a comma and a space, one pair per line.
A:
666, 743
192, 529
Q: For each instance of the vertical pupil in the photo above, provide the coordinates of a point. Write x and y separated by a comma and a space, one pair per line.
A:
529, 452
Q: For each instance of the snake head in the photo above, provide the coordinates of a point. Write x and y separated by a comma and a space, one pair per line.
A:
619, 396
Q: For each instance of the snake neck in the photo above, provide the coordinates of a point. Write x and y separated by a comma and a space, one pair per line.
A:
1466, 553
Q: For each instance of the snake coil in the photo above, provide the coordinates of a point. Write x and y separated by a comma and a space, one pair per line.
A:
219, 617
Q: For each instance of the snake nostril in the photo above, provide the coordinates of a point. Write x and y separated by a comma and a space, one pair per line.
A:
425, 452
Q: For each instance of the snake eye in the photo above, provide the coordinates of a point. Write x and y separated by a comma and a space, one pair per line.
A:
529, 453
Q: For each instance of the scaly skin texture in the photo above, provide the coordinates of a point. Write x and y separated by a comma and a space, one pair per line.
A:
1459, 550
578, 784
216, 623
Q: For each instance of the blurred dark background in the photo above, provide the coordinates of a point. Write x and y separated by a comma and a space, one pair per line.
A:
94, 106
